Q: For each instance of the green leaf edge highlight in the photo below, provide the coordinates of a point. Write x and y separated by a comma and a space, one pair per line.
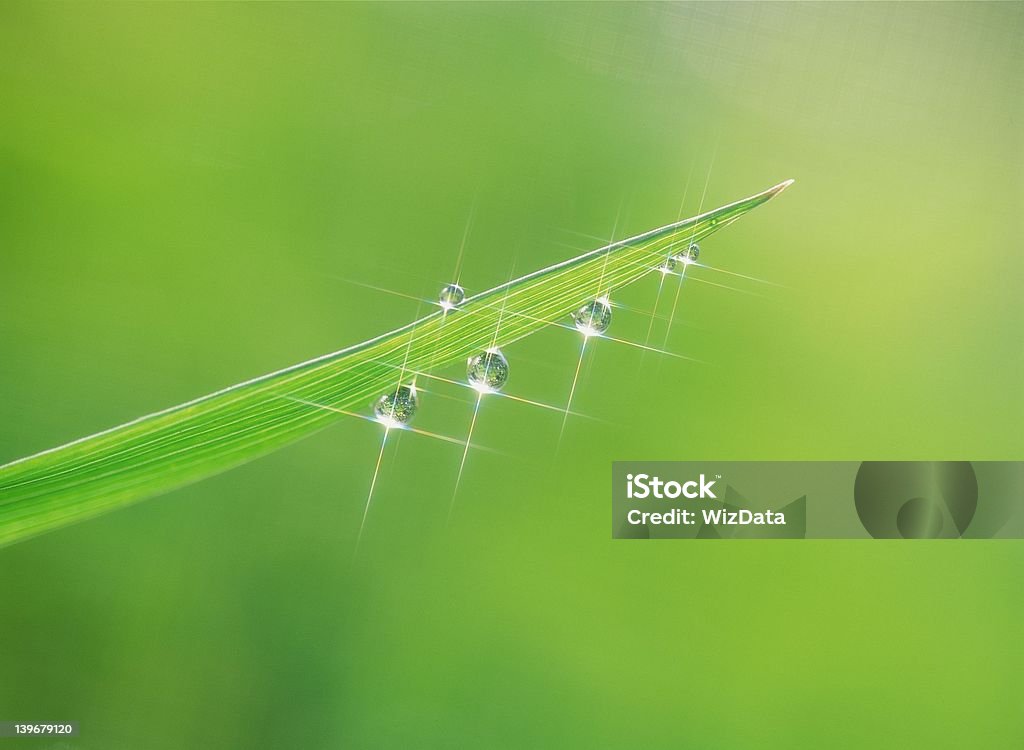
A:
183, 444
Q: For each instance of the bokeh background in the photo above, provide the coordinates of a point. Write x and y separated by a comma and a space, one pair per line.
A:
194, 195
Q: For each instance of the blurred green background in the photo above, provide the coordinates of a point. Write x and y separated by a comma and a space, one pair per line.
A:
187, 194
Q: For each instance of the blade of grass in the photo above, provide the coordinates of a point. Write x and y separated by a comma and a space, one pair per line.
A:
189, 442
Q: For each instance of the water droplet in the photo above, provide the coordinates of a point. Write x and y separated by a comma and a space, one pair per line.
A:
452, 296
689, 255
669, 265
487, 371
594, 317
396, 409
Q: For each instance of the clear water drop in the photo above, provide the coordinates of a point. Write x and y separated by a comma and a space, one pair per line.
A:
594, 317
669, 265
451, 296
488, 371
397, 408
689, 255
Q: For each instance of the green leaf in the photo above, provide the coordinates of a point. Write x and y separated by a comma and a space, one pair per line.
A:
186, 443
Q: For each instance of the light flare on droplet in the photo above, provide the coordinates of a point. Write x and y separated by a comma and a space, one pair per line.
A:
594, 317
396, 409
452, 295
488, 371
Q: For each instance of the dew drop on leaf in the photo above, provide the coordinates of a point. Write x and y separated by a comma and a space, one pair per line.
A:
594, 317
689, 255
451, 296
396, 408
487, 371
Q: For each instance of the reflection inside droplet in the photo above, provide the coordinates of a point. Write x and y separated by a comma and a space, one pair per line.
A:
451, 296
397, 408
594, 317
488, 371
